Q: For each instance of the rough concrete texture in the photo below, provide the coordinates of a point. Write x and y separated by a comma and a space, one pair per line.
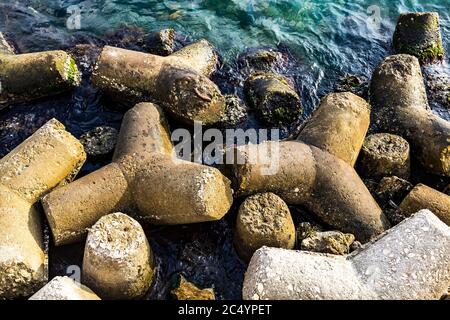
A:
178, 82
189, 291
144, 158
400, 106
26, 77
419, 34
338, 126
410, 261
64, 288
305, 175
263, 220
50, 157
424, 197
332, 242
274, 98
118, 261
384, 155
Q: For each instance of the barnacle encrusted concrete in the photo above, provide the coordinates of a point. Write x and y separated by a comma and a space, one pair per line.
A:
145, 180
400, 106
308, 176
179, 82
64, 288
338, 126
384, 155
419, 34
31, 76
50, 157
118, 261
409, 262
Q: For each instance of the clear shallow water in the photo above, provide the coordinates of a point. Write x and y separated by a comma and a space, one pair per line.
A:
327, 39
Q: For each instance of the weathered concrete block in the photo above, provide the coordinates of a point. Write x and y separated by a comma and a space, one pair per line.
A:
400, 106
178, 82
50, 157
31, 76
118, 261
145, 179
64, 288
338, 126
410, 261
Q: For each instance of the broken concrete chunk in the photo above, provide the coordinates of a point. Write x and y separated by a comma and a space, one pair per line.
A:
64, 288
263, 220
189, 291
411, 261
332, 242
118, 261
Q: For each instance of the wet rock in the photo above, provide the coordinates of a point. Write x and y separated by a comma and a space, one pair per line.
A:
189, 291
51, 157
64, 288
100, 141
306, 230
273, 98
263, 220
400, 106
235, 111
161, 42
424, 197
401, 264
338, 126
5, 45
357, 85
393, 189
384, 155
118, 261
419, 34
260, 59
333, 242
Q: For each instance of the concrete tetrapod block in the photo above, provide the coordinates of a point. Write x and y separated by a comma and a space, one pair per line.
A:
50, 157
145, 179
178, 82
400, 106
338, 126
410, 261
30, 76
64, 288
305, 175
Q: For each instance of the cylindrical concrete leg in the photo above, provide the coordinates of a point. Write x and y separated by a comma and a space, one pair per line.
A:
384, 155
186, 192
424, 197
200, 56
338, 126
74, 208
30, 76
118, 261
273, 98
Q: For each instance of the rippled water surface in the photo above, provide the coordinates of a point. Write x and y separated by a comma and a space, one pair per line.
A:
326, 39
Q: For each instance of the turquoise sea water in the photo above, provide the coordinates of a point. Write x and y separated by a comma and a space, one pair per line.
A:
328, 39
